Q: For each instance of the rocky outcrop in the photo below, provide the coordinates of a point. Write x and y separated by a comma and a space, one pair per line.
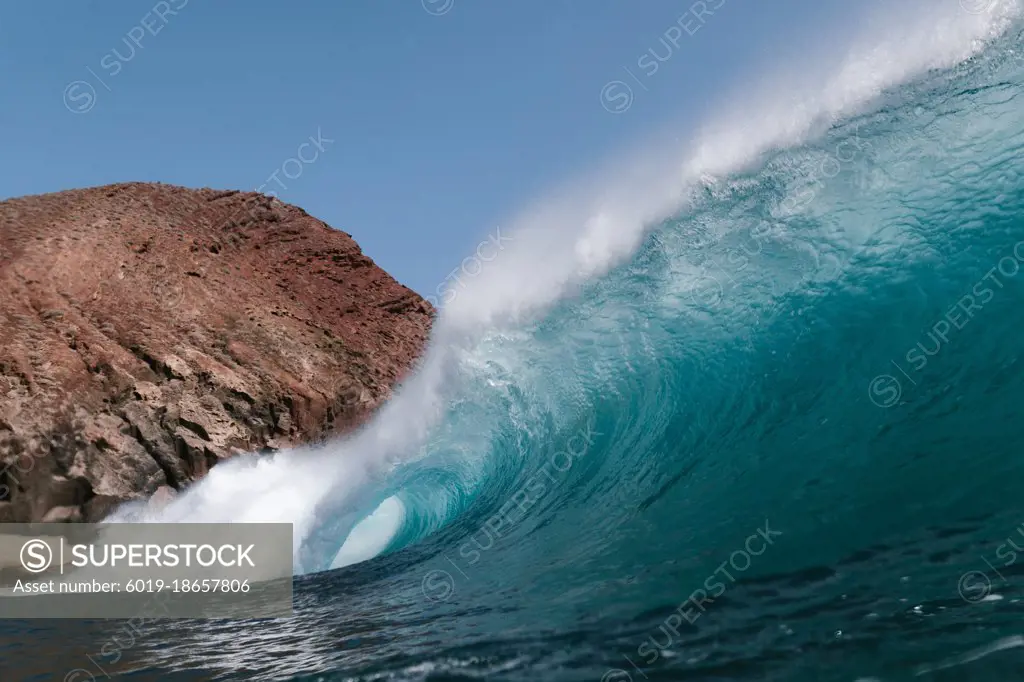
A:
148, 332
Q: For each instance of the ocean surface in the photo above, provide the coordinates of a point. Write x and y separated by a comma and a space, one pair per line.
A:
748, 411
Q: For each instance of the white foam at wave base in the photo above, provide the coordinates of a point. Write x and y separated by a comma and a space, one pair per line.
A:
372, 535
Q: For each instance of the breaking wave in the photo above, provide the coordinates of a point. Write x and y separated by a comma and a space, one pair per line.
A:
806, 323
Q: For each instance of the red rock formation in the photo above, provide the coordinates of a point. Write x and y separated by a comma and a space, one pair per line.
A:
149, 331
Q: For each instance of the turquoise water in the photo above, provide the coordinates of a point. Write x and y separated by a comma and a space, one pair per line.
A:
778, 439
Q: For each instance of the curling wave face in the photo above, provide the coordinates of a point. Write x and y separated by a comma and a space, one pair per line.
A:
751, 420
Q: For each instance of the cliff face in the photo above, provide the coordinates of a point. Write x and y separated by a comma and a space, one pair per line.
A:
149, 331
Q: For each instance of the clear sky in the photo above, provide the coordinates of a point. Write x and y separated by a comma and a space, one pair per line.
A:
438, 118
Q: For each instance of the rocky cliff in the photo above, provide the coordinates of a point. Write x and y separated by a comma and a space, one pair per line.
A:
148, 332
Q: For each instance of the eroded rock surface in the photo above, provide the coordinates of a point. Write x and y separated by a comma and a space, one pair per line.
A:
149, 331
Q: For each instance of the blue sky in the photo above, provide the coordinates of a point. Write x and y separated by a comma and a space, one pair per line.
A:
443, 116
